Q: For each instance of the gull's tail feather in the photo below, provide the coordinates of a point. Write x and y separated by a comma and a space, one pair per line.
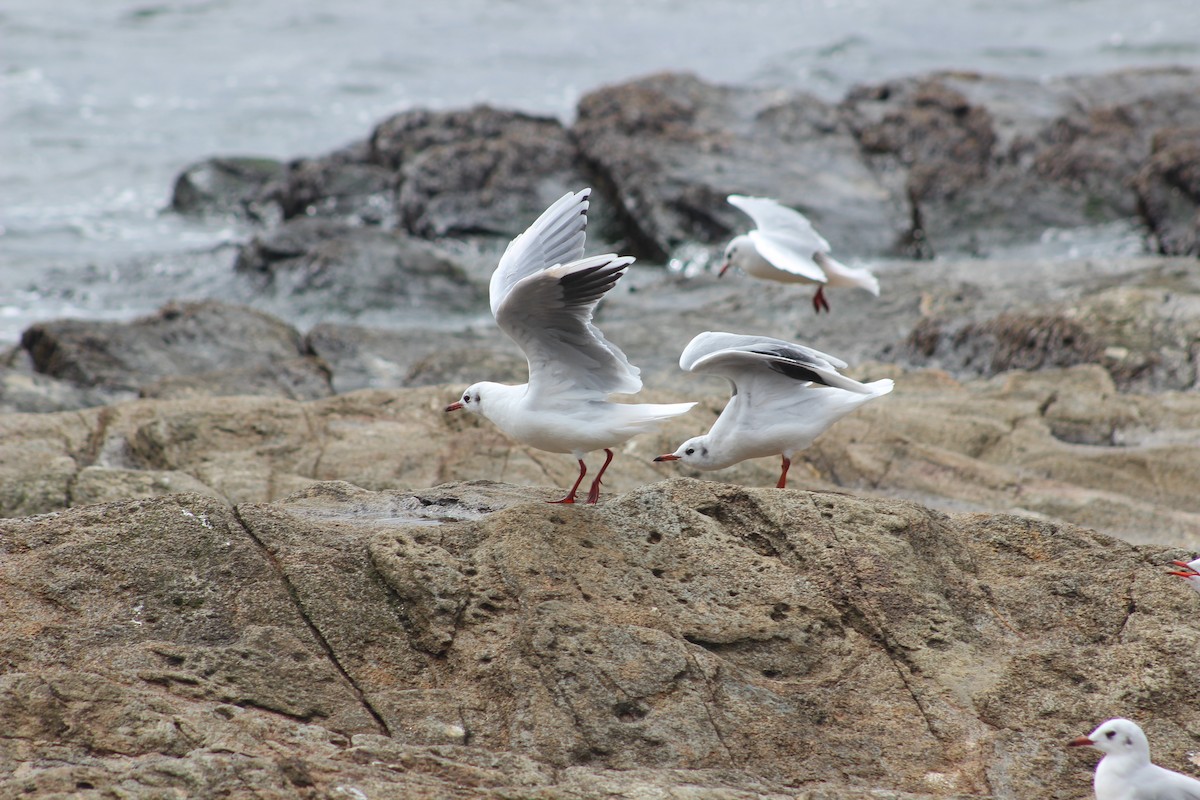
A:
841, 275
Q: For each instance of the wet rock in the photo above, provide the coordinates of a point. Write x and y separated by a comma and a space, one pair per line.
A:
481, 171
343, 186
1168, 191
317, 265
181, 339
989, 160
669, 148
225, 185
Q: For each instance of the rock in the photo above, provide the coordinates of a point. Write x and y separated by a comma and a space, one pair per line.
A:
471, 641
481, 171
226, 185
303, 378
181, 339
1145, 337
988, 160
670, 147
319, 266
370, 358
343, 186
22, 389
1168, 191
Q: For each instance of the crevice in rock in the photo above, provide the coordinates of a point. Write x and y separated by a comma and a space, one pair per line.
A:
294, 596
859, 619
707, 701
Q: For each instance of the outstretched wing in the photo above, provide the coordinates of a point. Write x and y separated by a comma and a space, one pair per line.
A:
556, 237
784, 236
549, 314
745, 360
777, 220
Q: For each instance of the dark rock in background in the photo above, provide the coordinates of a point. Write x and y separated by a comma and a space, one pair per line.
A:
323, 264
181, 339
667, 149
988, 160
226, 185
1168, 191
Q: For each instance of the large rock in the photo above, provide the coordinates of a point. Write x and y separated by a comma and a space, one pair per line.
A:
1062, 445
182, 339
472, 641
371, 358
988, 160
226, 185
1168, 190
316, 267
670, 147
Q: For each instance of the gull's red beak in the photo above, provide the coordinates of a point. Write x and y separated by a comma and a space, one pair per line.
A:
454, 406
724, 268
1081, 741
668, 457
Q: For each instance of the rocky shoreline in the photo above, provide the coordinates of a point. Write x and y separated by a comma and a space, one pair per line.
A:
227, 573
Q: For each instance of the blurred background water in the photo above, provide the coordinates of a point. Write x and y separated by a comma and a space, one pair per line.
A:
103, 102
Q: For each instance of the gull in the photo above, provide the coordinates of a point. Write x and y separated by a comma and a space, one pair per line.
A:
1189, 571
543, 294
784, 396
1125, 772
785, 247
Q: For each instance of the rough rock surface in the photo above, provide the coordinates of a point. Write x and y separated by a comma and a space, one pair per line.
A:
472, 641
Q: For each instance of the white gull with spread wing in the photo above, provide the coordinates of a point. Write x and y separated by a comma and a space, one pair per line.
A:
543, 294
1126, 773
784, 396
785, 247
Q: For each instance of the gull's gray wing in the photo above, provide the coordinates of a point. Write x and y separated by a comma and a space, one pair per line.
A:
760, 359
784, 236
556, 237
549, 314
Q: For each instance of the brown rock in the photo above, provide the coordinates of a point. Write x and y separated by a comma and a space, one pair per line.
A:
472, 641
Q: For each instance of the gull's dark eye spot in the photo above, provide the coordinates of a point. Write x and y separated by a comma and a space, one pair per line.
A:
466, 398
690, 450
1111, 734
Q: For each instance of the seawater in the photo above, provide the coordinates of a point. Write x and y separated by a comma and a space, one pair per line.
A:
103, 103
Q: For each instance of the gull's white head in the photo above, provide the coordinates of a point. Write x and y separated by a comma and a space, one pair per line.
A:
695, 452
1119, 738
472, 399
737, 253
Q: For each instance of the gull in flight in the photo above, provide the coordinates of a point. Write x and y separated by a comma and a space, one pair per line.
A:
785, 247
1125, 772
784, 396
543, 294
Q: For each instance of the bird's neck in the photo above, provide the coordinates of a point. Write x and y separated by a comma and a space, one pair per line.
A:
1123, 764
501, 402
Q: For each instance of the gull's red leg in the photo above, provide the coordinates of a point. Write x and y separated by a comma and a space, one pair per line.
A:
570, 498
819, 301
787, 463
594, 492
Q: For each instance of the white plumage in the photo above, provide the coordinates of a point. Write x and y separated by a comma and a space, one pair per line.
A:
785, 247
784, 396
543, 294
1125, 772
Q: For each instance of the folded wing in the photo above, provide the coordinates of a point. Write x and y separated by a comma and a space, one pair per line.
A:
556, 237
549, 314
